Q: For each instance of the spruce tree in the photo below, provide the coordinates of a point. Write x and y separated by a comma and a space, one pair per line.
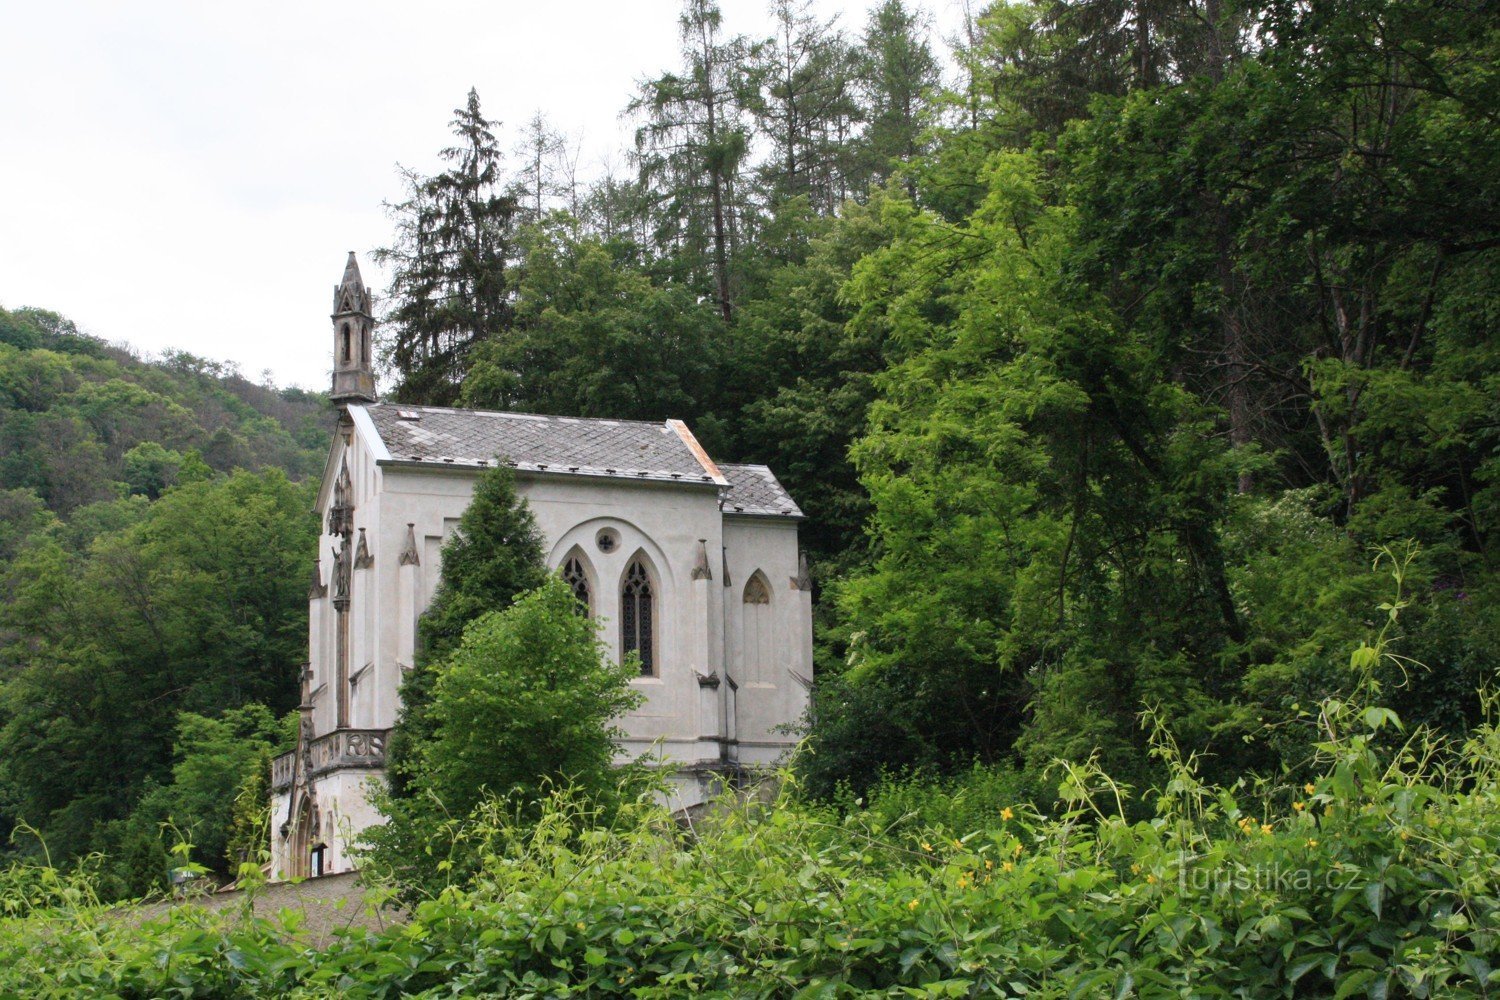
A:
451, 261
898, 75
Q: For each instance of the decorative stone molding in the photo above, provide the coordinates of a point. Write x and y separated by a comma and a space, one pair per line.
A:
708, 680
340, 750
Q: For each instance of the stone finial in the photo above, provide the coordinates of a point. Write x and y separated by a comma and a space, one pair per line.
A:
803, 579
362, 557
409, 550
318, 589
700, 562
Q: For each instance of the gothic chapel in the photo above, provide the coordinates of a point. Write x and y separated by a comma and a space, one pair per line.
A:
691, 564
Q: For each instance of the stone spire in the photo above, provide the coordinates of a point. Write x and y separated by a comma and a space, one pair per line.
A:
353, 325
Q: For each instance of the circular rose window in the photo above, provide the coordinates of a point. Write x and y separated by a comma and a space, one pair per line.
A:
608, 539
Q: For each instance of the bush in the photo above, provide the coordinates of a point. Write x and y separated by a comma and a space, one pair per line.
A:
527, 701
1376, 874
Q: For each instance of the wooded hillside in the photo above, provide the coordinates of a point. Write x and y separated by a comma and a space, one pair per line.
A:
156, 531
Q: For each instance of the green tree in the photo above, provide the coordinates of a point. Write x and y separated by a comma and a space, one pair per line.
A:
150, 468
450, 264
595, 337
197, 603
527, 702
494, 556
1043, 512
214, 761
528, 697
898, 77
690, 147
805, 103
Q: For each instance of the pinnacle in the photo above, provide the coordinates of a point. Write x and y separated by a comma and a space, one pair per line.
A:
350, 294
351, 273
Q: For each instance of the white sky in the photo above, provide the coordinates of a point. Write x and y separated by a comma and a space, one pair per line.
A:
190, 174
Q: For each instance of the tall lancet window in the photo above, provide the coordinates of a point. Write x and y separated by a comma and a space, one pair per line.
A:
637, 619
578, 581
757, 631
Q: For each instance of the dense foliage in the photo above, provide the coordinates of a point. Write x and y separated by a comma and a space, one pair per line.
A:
511, 694
152, 608
1100, 365
1102, 356
526, 701
1375, 876
494, 557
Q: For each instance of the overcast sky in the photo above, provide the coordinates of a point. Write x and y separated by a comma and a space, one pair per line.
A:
190, 174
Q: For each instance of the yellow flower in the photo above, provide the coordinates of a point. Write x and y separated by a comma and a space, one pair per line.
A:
1135, 869
912, 905
1150, 879
1007, 814
1299, 806
1328, 810
580, 925
1405, 835
958, 844
988, 863
1008, 867
1311, 842
1309, 788
1265, 828
926, 846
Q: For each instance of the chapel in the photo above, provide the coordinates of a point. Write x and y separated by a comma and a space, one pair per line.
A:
689, 563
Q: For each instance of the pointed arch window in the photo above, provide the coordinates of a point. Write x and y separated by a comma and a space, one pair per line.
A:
758, 647
344, 336
577, 579
638, 617
757, 591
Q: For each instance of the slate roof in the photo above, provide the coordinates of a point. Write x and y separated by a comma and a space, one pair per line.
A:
623, 449
755, 491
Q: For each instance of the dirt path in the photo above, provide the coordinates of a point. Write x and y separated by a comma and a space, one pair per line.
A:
325, 905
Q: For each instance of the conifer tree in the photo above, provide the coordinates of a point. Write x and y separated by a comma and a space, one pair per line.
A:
898, 74
451, 259
691, 144
805, 104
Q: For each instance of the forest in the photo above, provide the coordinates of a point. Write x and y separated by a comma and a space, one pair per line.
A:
1135, 366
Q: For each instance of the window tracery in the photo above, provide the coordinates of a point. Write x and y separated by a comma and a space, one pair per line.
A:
577, 579
637, 618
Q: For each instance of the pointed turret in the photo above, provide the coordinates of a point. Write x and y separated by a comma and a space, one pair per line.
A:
353, 324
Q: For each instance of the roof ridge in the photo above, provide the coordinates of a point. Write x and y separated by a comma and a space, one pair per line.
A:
515, 413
